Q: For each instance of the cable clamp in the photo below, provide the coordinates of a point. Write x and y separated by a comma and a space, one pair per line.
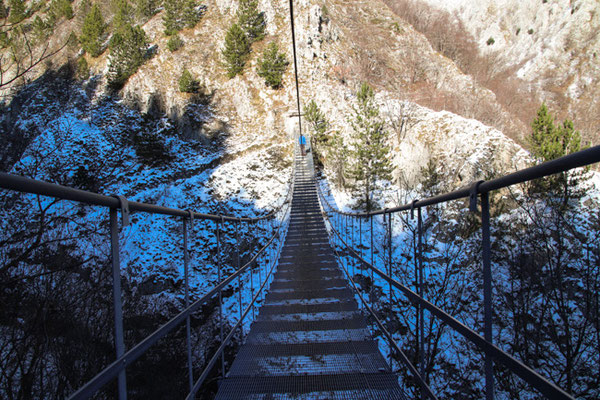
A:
412, 208
473, 191
124, 206
191, 217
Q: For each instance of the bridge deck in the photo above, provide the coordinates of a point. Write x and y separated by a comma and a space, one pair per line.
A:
309, 341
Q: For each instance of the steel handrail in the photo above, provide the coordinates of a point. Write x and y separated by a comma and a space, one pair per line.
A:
118, 367
385, 332
579, 159
33, 186
228, 338
529, 375
204, 374
112, 371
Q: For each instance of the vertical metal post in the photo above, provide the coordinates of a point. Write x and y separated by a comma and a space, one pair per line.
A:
347, 258
360, 235
344, 238
352, 230
353, 245
252, 287
188, 329
118, 307
487, 292
237, 265
218, 223
390, 255
415, 244
389, 226
372, 259
259, 264
422, 294
338, 228
372, 249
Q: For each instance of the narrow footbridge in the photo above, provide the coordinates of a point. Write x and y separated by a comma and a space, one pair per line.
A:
309, 339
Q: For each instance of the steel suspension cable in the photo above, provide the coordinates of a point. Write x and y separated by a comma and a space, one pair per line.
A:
295, 67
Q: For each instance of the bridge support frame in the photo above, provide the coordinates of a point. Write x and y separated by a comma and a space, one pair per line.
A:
487, 292
117, 303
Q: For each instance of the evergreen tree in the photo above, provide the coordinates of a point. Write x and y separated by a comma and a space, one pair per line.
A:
174, 43
123, 16
40, 29
92, 32
338, 157
179, 14
60, 8
127, 54
370, 153
272, 66
549, 141
146, 8
187, 83
3, 10
320, 125
83, 70
190, 14
251, 21
236, 50
552, 290
17, 11
171, 17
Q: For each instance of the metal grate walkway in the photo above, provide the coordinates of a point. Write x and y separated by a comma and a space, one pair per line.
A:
309, 341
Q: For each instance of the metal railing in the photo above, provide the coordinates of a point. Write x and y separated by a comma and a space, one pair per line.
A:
277, 220
338, 222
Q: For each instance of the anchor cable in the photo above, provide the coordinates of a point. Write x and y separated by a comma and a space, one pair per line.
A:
295, 67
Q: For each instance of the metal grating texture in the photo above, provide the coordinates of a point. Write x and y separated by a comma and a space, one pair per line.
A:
309, 341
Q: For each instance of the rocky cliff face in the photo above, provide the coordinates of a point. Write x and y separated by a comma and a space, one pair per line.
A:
340, 44
552, 45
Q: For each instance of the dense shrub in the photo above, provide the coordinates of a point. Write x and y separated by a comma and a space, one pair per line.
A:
272, 66
187, 83
174, 43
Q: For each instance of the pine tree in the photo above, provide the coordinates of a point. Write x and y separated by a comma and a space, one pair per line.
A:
83, 69
40, 29
174, 43
370, 153
60, 8
548, 142
146, 8
187, 83
190, 14
251, 21
179, 14
123, 16
127, 54
320, 125
92, 32
17, 11
338, 157
171, 17
236, 50
272, 66
3, 10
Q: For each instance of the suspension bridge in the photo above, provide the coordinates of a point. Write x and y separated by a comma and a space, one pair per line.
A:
310, 339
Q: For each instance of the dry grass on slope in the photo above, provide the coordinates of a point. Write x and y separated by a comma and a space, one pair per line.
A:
448, 36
